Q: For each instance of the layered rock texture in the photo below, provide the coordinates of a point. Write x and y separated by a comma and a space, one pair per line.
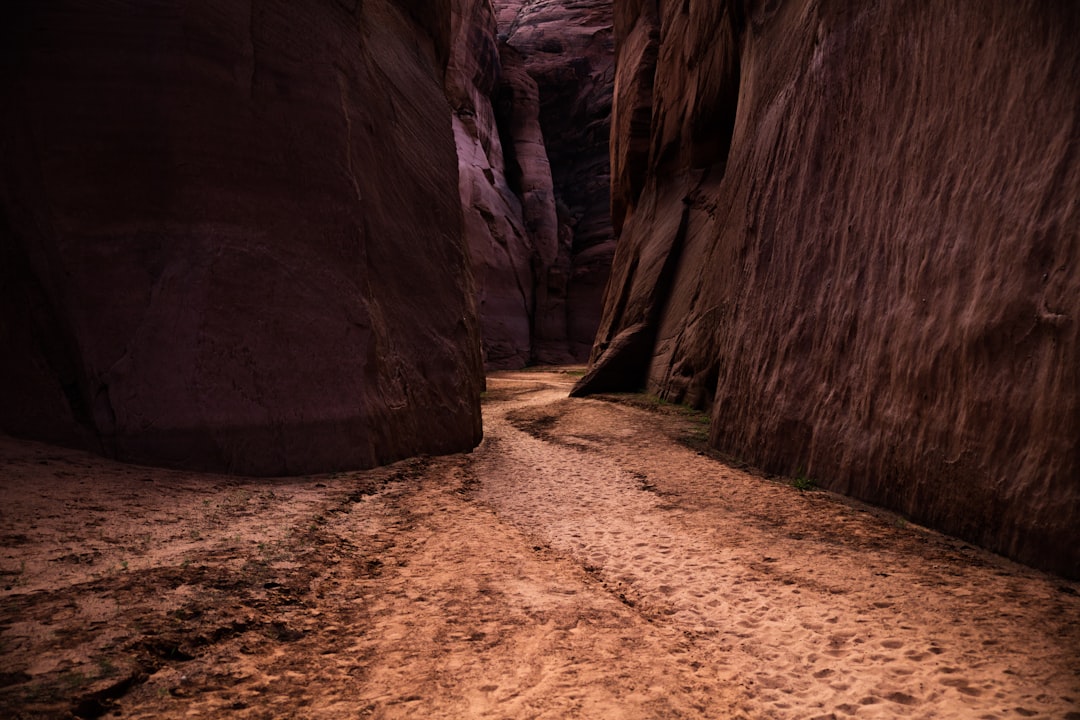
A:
231, 237
852, 233
501, 247
530, 85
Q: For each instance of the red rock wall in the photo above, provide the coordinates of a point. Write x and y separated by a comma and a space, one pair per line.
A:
229, 238
500, 244
567, 50
852, 232
530, 88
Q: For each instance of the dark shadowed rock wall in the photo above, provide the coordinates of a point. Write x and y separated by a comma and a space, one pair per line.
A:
230, 237
852, 232
500, 244
530, 86
567, 49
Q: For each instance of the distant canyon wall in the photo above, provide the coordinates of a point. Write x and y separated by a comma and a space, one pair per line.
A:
530, 87
230, 234
851, 232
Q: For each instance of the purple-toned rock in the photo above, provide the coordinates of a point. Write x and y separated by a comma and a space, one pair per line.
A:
518, 107
231, 238
568, 51
500, 246
850, 231
531, 94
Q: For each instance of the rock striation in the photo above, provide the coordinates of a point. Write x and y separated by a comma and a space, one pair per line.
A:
850, 232
530, 86
230, 234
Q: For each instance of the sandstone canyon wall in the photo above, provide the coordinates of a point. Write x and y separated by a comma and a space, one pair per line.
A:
230, 234
568, 49
852, 232
530, 86
501, 247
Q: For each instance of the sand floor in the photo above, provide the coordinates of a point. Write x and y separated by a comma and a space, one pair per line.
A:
588, 560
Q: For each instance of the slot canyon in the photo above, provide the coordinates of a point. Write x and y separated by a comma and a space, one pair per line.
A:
540, 359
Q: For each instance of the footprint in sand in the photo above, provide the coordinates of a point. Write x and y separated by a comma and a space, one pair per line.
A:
962, 685
901, 698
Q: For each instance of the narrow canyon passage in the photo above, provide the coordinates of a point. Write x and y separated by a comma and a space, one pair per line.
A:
580, 563
804, 604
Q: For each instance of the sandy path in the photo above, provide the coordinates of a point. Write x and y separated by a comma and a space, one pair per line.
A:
811, 605
580, 563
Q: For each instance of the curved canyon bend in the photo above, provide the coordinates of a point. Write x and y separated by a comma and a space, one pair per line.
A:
585, 561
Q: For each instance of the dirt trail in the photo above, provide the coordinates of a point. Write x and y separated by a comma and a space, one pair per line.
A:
580, 563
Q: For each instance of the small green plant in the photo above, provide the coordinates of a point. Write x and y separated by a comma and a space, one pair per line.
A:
803, 483
105, 668
698, 426
18, 576
71, 680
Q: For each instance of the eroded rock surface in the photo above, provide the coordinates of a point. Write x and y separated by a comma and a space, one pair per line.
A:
852, 234
530, 85
500, 245
230, 234
568, 50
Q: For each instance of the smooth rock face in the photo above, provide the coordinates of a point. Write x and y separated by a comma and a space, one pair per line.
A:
530, 88
852, 234
230, 237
